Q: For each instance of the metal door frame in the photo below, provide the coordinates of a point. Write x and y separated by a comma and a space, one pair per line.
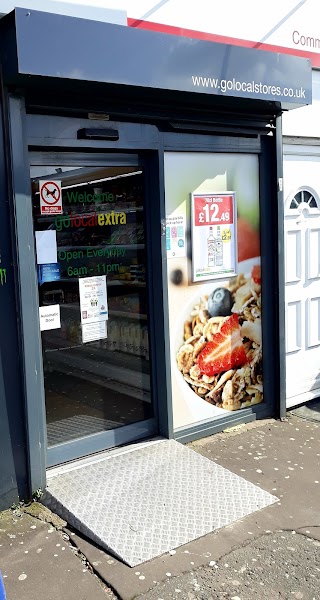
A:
125, 434
150, 154
51, 134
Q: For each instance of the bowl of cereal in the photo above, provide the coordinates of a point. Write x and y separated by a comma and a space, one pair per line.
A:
217, 354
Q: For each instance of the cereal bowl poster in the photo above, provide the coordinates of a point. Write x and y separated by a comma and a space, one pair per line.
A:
214, 284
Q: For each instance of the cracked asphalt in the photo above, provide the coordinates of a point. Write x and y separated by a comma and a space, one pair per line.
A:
284, 565
284, 459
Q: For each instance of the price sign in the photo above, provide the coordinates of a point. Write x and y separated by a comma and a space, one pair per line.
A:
213, 209
214, 243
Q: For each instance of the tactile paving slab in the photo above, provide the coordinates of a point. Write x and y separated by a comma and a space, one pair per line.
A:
143, 503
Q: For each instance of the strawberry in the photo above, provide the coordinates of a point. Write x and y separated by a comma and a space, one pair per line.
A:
226, 350
256, 274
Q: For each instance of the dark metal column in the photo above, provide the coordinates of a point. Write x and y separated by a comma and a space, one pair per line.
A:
158, 292
13, 454
28, 295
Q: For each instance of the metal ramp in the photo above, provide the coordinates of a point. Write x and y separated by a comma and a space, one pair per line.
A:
140, 504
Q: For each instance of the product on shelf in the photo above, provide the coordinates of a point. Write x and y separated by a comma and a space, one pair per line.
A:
71, 331
131, 234
53, 297
129, 304
128, 337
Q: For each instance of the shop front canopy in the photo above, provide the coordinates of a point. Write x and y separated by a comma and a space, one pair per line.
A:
54, 49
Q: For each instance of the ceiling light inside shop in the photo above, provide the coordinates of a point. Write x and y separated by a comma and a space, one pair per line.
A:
67, 187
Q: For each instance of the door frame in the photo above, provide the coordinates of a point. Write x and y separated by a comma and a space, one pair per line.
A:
17, 136
104, 440
296, 149
45, 132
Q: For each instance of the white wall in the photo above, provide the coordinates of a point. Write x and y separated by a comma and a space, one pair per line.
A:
305, 121
91, 9
288, 23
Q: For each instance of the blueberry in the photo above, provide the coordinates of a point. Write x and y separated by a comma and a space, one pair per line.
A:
220, 303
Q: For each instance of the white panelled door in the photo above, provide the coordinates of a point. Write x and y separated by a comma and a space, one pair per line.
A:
302, 276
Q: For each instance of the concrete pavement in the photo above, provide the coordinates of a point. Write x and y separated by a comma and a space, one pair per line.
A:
38, 561
271, 554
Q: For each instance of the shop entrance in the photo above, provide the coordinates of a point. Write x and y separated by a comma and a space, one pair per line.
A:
94, 295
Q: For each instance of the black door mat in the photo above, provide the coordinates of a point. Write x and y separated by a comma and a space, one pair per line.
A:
76, 427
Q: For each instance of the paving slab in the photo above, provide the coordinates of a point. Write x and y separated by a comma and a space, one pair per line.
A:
281, 457
36, 562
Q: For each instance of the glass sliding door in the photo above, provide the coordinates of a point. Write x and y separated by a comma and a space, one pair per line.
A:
89, 226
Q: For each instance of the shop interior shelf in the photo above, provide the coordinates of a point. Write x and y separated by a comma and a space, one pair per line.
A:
127, 315
111, 283
101, 210
112, 313
117, 386
101, 247
129, 283
138, 363
112, 368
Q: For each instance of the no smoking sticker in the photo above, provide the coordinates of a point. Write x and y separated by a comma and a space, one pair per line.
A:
50, 197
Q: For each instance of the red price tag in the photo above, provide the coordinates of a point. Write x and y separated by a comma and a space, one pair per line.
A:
213, 209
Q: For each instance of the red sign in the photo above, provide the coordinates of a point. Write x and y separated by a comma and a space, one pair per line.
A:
213, 209
50, 197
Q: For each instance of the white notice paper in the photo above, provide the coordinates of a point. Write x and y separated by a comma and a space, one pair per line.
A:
49, 317
93, 299
176, 232
46, 246
94, 331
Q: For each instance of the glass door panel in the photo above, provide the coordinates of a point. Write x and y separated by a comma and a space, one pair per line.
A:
95, 340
